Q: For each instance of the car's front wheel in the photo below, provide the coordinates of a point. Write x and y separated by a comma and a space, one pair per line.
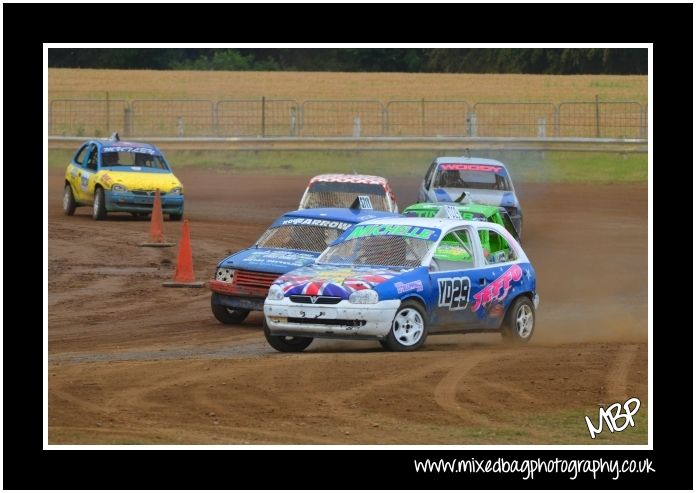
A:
99, 206
286, 344
519, 321
229, 316
68, 201
409, 328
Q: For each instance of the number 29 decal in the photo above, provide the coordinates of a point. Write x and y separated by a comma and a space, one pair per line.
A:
454, 292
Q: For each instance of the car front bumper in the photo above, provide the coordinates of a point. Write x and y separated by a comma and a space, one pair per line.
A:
131, 202
344, 320
238, 302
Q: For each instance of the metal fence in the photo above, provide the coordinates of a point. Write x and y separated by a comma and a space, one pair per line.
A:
342, 118
252, 118
428, 118
346, 118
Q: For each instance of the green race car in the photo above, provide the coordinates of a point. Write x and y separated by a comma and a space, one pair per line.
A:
467, 211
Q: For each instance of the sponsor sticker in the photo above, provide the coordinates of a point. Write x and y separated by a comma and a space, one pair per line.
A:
402, 287
498, 289
317, 222
417, 232
470, 167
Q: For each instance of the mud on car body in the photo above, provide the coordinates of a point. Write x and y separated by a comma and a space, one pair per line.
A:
295, 239
398, 280
117, 176
486, 181
340, 190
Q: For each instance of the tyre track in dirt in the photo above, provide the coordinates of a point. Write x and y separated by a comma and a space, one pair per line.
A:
618, 376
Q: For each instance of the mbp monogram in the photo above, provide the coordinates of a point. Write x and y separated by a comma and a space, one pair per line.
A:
612, 414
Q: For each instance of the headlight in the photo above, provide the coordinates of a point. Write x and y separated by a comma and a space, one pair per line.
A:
224, 274
176, 191
364, 297
276, 293
119, 188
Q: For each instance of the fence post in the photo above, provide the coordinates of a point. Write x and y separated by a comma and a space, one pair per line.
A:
597, 113
357, 127
472, 124
263, 116
216, 119
293, 121
127, 130
107, 113
557, 120
423, 116
541, 131
643, 121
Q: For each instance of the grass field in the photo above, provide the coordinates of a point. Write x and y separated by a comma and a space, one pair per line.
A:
525, 166
159, 84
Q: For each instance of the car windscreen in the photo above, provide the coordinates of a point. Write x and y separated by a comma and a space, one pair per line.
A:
133, 157
377, 245
466, 178
341, 194
299, 237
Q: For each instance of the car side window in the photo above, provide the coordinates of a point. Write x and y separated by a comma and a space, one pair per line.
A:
507, 222
429, 174
496, 249
91, 158
453, 253
80, 155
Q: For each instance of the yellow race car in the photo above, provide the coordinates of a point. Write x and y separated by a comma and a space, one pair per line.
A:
116, 176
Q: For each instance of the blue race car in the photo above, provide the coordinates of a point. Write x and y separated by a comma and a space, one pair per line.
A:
295, 239
397, 280
486, 181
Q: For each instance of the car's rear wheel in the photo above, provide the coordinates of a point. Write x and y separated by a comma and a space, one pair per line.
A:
68, 201
227, 315
409, 328
286, 344
518, 326
99, 206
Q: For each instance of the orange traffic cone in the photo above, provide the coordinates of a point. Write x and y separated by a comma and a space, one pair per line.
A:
183, 275
157, 225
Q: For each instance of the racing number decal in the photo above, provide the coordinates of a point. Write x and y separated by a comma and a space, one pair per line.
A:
84, 181
365, 202
454, 292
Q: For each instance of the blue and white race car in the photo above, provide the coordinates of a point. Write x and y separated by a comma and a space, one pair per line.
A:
398, 280
486, 181
293, 240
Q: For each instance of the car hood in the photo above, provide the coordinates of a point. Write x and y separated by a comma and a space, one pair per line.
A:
272, 260
334, 280
490, 197
165, 181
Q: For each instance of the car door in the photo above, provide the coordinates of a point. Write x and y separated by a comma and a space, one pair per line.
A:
74, 172
86, 174
496, 279
425, 184
453, 274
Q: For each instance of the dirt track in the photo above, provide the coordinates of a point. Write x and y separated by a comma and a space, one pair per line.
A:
131, 362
